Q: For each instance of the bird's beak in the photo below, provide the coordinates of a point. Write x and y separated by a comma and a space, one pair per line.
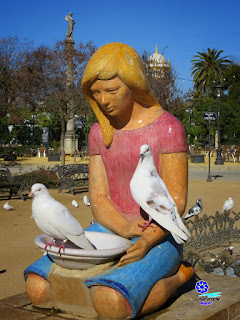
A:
141, 156
31, 194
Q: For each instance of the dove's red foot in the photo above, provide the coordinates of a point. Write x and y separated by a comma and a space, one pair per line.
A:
49, 244
146, 225
61, 247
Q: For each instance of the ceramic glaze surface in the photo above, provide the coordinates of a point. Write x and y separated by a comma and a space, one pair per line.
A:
109, 247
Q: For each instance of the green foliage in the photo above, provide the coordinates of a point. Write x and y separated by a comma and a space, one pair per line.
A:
90, 119
229, 109
56, 145
232, 82
20, 151
46, 176
208, 70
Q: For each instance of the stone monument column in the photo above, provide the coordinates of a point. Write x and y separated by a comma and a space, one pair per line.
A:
71, 139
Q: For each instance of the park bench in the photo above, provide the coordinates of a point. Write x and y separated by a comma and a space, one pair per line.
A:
9, 185
73, 177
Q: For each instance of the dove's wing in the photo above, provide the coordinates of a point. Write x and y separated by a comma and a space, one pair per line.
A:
82, 242
164, 187
157, 197
180, 223
64, 221
165, 220
225, 206
197, 210
67, 225
165, 210
188, 215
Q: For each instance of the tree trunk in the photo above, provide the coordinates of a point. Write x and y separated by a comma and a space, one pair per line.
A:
62, 142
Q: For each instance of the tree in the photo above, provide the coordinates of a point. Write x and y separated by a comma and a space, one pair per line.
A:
62, 96
232, 82
208, 70
12, 55
42, 82
231, 104
165, 89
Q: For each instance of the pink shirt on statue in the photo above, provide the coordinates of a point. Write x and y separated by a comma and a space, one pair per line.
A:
164, 135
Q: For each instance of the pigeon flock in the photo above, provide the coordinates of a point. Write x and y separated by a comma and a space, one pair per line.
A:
151, 193
54, 219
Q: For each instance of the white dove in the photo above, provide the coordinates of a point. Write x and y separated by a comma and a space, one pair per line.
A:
195, 210
55, 220
7, 206
75, 204
152, 195
228, 205
86, 201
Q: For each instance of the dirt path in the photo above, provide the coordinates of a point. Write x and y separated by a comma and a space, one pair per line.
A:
18, 230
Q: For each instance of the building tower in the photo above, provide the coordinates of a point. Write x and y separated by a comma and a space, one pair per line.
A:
157, 65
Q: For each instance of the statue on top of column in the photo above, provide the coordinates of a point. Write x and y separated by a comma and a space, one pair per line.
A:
71, 23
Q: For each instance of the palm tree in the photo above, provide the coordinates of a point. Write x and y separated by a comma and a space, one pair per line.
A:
208, 69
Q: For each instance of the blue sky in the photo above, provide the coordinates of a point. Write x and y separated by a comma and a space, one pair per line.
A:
180, 28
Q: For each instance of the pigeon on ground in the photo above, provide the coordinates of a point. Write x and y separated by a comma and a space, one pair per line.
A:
86, 201
55, 220
228, 205
6, 206
152, 195
230, 248
195, 210
75, 204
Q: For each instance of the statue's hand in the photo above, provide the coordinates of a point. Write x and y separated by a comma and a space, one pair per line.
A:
134, 229
135, 252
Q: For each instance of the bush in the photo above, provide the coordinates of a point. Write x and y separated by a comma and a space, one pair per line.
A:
20, 151
48, 177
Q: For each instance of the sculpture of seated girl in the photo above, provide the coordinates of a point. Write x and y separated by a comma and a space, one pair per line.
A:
129, 116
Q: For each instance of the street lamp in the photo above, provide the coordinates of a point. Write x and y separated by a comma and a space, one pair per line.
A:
219, 159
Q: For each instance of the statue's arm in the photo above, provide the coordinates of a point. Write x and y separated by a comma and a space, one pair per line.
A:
103, 209
174, 172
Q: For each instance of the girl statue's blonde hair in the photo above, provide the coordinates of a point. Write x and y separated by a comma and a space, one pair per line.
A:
109, 61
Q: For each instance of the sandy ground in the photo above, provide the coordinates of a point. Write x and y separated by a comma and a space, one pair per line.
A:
18, 230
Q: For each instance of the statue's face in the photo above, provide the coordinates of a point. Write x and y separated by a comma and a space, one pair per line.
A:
113, 96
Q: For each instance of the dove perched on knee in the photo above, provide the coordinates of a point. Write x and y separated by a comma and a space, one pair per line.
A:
54, 219
151, 193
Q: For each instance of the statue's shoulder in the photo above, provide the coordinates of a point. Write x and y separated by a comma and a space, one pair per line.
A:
167, 123
95, 130
172, 133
